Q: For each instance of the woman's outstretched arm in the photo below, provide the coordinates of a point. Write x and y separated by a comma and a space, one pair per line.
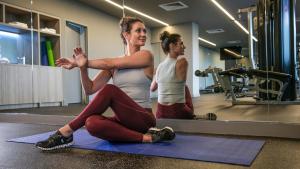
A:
90, 86
139, 59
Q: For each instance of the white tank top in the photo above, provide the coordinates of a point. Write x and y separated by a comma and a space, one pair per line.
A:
135, 84
170, 89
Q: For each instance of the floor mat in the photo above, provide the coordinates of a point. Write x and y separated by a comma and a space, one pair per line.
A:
191, 147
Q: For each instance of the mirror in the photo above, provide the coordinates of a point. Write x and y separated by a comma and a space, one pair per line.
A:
233, 79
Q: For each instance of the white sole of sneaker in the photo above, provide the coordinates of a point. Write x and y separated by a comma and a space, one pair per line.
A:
167, 127
56, 147
157, 129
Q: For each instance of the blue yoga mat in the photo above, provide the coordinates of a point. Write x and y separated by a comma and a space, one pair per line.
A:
192, 147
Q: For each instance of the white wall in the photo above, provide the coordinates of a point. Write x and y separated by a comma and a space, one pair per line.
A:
189, 33
208, 57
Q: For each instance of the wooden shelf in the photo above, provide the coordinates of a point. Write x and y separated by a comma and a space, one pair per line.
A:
49, 22
14, 29
1, 13
15, 14
47, 34
55, 41
46, 21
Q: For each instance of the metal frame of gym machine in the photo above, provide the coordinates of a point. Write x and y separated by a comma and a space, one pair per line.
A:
282, 85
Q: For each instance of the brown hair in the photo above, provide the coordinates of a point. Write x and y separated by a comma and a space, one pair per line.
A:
126, 25
166, 39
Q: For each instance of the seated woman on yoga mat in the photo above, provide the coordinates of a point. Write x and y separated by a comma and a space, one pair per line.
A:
128, 97
174, 98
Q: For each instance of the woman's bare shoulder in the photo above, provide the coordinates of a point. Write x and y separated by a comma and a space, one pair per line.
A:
182, 62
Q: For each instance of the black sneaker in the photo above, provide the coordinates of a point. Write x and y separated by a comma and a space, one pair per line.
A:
208, 116
55, 141
164, 134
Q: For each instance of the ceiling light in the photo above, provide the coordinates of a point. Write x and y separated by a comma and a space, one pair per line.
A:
232, 18
115, 4
135, 11
206, 41
222, 9
231, 52
241, 26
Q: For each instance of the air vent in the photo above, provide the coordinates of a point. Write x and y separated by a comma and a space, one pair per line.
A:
173, 6
234, 42
213, 31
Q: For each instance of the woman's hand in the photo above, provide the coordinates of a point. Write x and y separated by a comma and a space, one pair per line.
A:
67, 63
80, 58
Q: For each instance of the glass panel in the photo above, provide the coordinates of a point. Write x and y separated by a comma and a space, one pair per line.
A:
34, 35
227, 81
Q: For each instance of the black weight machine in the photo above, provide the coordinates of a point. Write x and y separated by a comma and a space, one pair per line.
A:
217, 86
275, 69
277, 84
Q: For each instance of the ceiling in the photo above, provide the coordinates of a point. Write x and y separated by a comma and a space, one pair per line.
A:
202, 12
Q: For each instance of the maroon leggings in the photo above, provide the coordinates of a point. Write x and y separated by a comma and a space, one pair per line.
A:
128, 124
177, 110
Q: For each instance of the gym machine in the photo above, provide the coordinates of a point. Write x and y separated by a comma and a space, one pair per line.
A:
275, 95
217, 86
275, 68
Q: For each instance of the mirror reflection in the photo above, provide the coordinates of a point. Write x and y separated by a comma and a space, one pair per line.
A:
239, 67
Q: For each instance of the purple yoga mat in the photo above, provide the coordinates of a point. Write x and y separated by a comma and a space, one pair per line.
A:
191, 147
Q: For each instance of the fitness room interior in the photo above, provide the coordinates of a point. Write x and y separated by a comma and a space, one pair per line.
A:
243, 66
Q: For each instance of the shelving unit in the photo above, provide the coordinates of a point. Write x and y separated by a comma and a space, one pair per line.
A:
20, 82
49, 22
1, 13
33, 33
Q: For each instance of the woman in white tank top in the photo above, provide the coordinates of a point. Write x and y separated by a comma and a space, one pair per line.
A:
127, 97
174, 98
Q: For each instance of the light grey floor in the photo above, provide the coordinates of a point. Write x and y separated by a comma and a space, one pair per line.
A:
276, 153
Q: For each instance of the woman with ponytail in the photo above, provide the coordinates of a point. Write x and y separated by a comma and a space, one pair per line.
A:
128, 96
174, 98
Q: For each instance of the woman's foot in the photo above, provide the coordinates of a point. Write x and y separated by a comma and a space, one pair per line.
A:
159, 135
208, 116
55, 141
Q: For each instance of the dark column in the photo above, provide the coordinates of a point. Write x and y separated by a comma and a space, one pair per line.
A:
277, 40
